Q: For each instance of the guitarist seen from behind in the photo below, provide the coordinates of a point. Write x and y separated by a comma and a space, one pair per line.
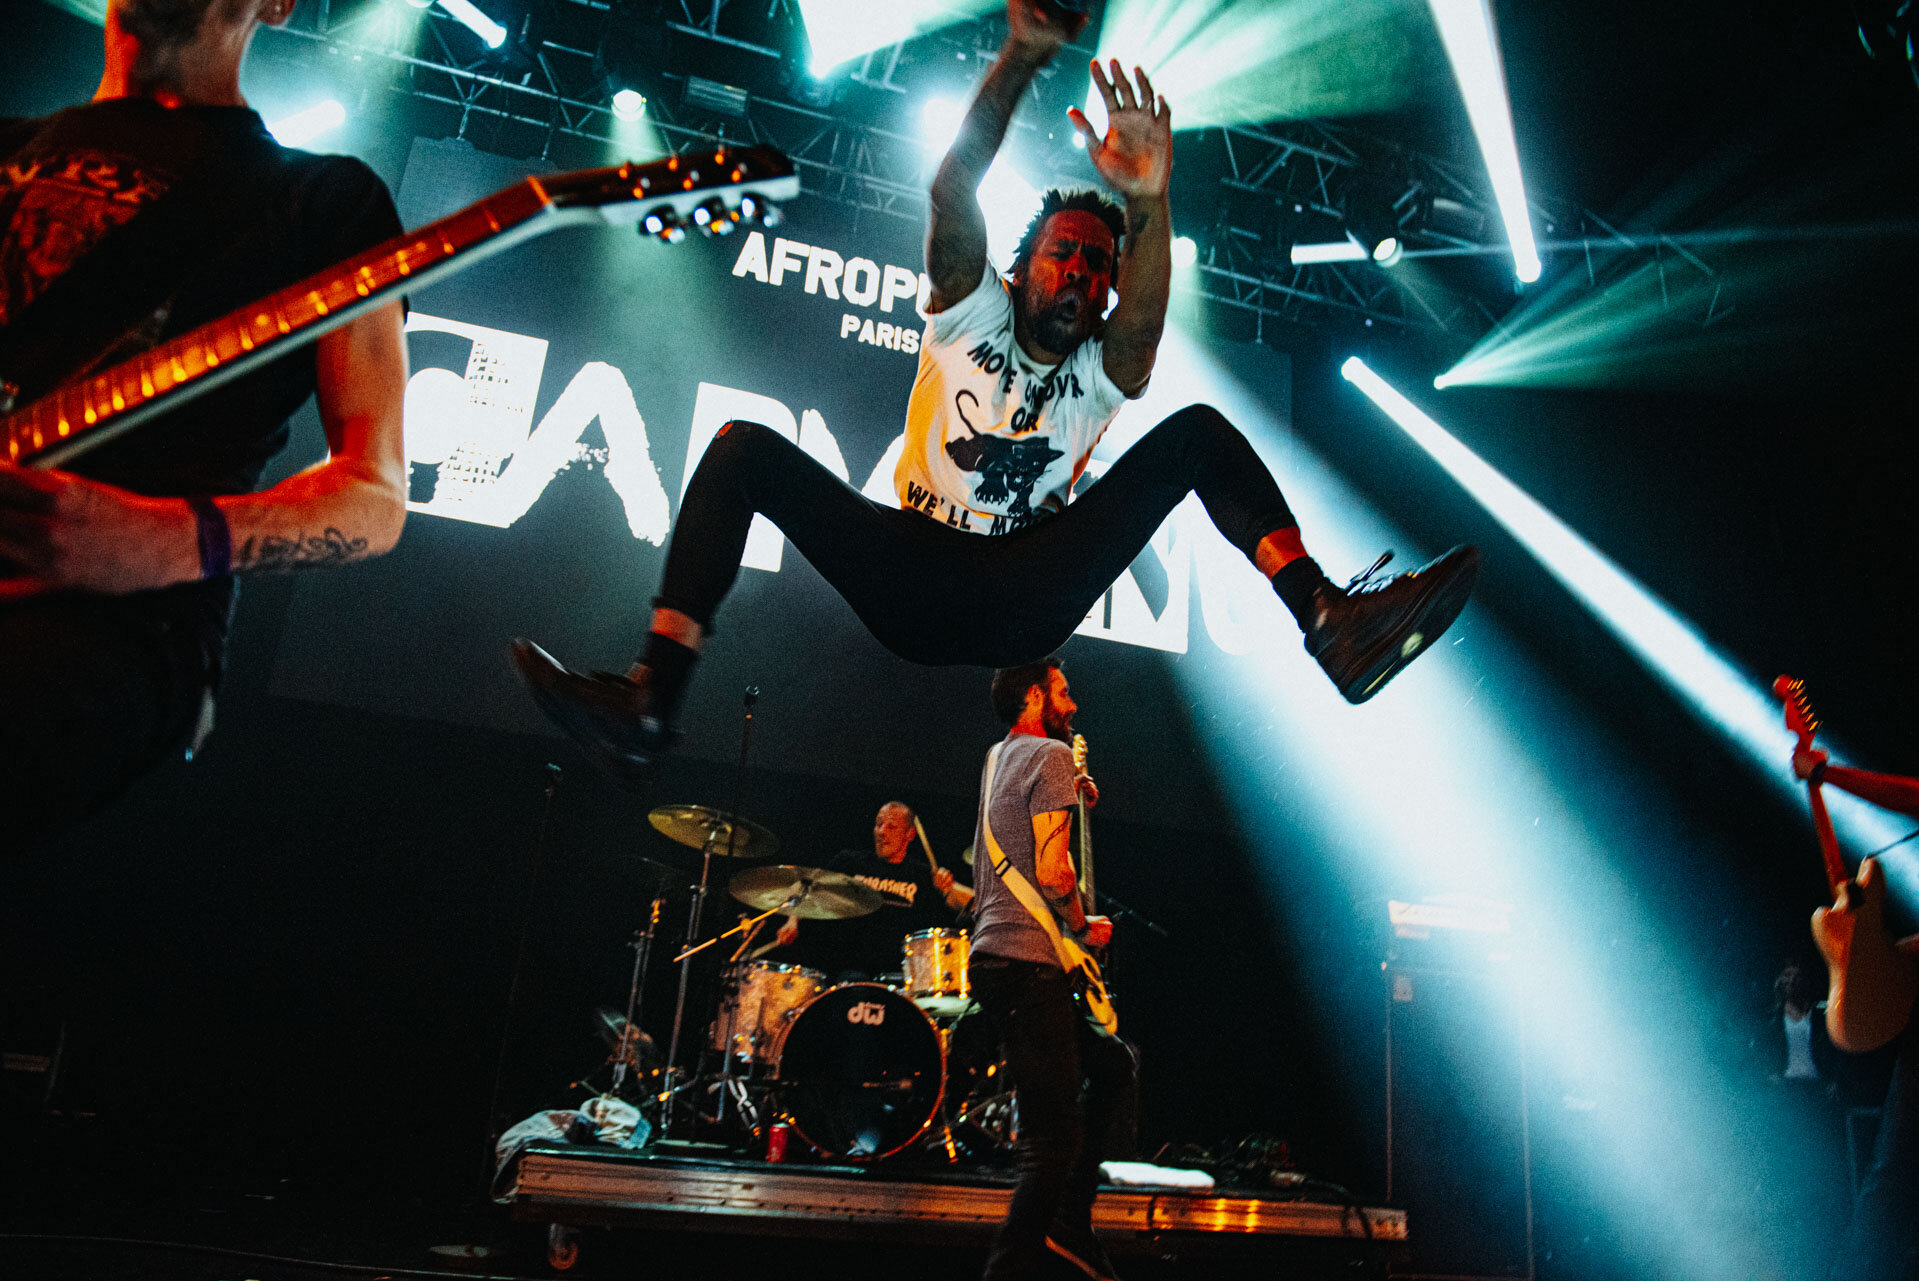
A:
1050, 1045
160, 205
1878, 976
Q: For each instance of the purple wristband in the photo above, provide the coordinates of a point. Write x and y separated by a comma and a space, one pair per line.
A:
216, 537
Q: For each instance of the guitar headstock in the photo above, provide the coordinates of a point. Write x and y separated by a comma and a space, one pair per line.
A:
712, 192
1079, 753
1800, 718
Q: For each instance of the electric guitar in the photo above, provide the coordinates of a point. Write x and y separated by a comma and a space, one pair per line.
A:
1092, 980
1088, 899
1871, 987
714, 192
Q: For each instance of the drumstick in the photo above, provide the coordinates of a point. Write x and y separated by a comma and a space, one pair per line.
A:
926, 844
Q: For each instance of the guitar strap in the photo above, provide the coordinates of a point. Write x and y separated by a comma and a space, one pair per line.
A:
135, 271
1023, 890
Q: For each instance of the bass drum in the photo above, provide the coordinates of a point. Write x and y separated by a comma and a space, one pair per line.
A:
861, 1072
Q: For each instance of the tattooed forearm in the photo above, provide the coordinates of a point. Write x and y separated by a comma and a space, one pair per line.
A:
273, 554
1137, 220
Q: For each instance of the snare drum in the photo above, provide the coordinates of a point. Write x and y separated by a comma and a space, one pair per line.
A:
757, 1001
861, 1071
935, 966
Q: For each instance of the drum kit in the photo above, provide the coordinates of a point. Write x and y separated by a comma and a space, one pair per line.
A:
859, 1070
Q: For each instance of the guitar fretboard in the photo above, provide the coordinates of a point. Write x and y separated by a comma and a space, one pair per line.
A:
245, 338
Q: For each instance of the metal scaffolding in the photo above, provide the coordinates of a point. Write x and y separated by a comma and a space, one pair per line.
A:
1274, 178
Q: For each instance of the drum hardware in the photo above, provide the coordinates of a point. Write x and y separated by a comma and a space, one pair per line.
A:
934, 965
805, 892
680, 823
758, 1000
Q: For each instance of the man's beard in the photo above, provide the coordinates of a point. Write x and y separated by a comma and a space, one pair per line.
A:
1057, 329
1057, 725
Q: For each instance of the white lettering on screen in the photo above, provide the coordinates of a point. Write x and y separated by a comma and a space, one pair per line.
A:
472, 429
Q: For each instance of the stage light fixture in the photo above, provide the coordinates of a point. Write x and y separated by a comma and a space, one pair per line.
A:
304, 126
1669, 646
629, 104
1185, 251
1389, 251
1347, 250
1472, 46
482, 26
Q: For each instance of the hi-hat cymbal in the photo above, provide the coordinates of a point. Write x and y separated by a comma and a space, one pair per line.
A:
824, 896
695, 825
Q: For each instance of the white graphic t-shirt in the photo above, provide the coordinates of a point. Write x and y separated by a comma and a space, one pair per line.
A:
994, 441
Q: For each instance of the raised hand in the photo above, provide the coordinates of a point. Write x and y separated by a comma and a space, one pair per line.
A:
1135, 158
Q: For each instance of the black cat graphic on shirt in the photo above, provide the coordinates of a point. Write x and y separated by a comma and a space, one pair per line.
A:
1007, 468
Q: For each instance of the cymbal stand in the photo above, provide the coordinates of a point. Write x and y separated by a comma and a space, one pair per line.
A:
748, 922
726, 1083
642, 956
674, 1085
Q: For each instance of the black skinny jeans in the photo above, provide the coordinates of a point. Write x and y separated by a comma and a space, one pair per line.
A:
1078, 1105
937, 595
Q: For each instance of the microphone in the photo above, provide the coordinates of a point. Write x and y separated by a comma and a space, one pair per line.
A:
752, 695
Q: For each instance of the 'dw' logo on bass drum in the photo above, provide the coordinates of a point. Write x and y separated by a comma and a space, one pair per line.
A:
871, 1013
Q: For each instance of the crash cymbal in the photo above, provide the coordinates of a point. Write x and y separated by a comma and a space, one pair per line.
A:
694, 825
826, 896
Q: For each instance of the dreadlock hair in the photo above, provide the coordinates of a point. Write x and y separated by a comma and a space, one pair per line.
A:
1085, 200
1011, 683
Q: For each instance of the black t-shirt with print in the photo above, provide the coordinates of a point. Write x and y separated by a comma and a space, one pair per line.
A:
871, 945
70, 179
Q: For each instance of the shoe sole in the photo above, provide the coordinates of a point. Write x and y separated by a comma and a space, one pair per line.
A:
622, 769
1416, 635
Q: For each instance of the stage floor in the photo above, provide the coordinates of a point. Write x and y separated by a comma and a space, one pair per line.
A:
571, 1187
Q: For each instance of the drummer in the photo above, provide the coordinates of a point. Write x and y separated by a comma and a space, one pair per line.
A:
913, 897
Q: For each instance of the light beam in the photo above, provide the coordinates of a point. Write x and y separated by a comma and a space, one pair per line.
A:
1671, 648
1472, 45
1347, 250
841, 30
489, 31
304, 126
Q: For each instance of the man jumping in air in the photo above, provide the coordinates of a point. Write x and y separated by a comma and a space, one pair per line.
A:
1018, 379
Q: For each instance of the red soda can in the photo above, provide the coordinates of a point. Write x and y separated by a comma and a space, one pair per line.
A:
776, 1141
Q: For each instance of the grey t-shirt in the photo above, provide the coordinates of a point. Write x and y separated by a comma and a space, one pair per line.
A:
1035, 776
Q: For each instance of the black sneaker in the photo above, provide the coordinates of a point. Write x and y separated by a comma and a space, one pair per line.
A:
1080, 1248
609, 716
1362, 635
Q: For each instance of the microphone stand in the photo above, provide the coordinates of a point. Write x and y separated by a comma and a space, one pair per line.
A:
1118, 910
674, 1085
642, 958
553, 776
